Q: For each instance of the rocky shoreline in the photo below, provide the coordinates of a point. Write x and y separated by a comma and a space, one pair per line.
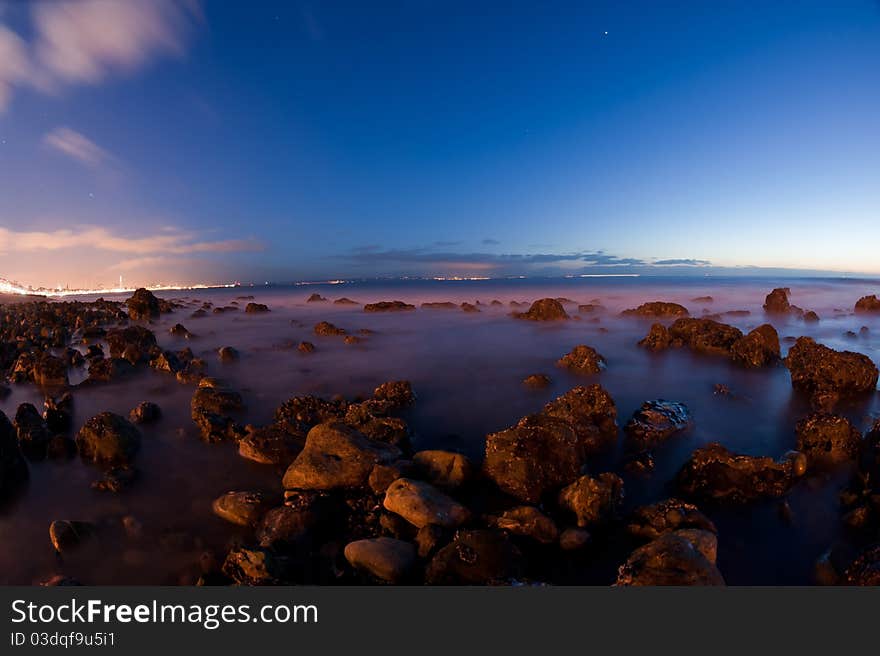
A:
349, 499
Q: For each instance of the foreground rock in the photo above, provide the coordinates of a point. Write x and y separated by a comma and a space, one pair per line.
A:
242, 508
108, 439
582, 359
827, 439
13, 467
336, 456
145, 413
868, 305
270, 445
593, 500
592, 414
658, 309
667, 516
713, 473
527, 521
476, 557
421, 504
657, 421
545, 309
254, 567
66, 535
671, 559
826, 374
445, 469
540, 454
385, 558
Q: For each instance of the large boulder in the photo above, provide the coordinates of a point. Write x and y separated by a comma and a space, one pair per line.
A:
657, 421
704, 335
672, 559
827, 374
777, 301
713, 473
108, 439
868, 304
476, 557
593, 500
13, 467
421, 504
385, 558
657, 309
582, 359
827, 439
591, 412
538, 455
545, 309
143, 305
336, 456
757, 349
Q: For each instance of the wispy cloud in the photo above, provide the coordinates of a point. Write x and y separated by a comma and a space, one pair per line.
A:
86, 41
490, 242
168, 242
77, 146
682, 262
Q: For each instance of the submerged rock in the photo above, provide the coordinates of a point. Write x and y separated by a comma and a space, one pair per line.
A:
827, 439
345, 301
421, 504
583, 360
716, 474
315, 298
671, 559
227, 354
440, 305
657, 309
538, 455
545, 309
108, 439
389, 306
256, 308
657, 339
537, 381
327, 329
657, 421
145, 413
116, 480
469, 307
385, 558
336, 456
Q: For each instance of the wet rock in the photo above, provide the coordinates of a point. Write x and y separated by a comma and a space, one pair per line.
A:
827, 374
469, 307
421, 504
305, 347
315, 298
254, 567
66, 535
352, 339
211, 405
545, 309
705, 335
256, 308
591, 413
50, 371
590, 308
865, 569
60, 447
659, 309
336, 456
59, 580
827, 439
868, 304
811, 317
58, 413
116, 480
714, 473
108, 439
327, 329
703, 299
143, 305
242, 508
13, 467
397, 394
669, 560
476, 557
574, 539
300, 413
640, 463
757, 349
538, 455
179, 330
657, 421
445, 468
670, 515
706, 542
32, 432
389, 306
527, 521
134, 343
227, 354
387, 559
270, 445
391, 430
345, 301
430, 539
657, 339
167, 362
537, 381
583, 360
447, 305
286, 526
109, 369
777, 301
593, 500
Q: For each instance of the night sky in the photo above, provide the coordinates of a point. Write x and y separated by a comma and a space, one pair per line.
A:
208, 142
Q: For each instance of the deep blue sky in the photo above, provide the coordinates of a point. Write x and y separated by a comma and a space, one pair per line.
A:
305, 140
